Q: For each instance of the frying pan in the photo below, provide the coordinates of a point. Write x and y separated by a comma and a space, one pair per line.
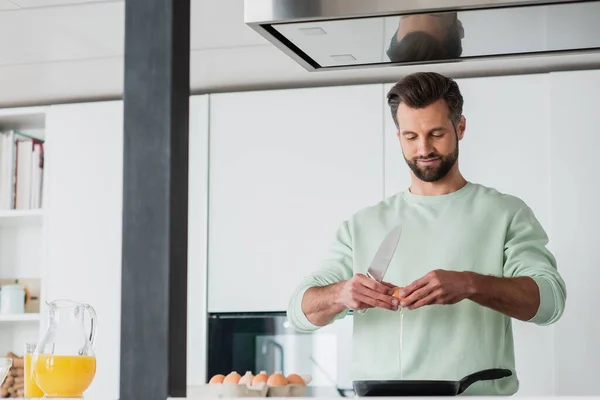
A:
425, 388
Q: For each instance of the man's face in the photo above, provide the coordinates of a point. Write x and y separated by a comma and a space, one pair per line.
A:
429, 140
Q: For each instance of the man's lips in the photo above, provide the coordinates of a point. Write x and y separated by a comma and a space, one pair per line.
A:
428, 161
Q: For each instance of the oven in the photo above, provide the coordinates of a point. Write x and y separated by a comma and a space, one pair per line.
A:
267, 342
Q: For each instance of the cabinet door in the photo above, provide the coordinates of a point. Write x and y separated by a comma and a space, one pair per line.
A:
575, 219
197, 215
505, 146
286, 168
83, 223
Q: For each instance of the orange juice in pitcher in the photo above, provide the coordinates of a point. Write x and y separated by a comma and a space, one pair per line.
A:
64, 376
64, 364
32, 390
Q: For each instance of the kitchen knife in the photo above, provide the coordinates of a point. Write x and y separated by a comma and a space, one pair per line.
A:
384, 254
383, 257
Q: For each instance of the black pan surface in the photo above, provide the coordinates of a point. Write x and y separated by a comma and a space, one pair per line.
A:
373, 388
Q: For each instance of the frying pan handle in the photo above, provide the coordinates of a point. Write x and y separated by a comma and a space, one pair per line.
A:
485, 375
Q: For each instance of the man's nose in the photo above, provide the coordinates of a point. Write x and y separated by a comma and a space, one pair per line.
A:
425, 147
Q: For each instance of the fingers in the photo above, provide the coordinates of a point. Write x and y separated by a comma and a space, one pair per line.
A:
416, 285
373, 293
431, 298
391, 303
415, 296
375, 302
390, 285
373, 284
354, 303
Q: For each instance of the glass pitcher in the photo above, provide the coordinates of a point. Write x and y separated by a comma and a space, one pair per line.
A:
64, 364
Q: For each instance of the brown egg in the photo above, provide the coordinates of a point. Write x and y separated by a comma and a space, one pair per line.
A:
217, 379
233, 377
262, 377
277, 379
396, 293
295, 379
246, 379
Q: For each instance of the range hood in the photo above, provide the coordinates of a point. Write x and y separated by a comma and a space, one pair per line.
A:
324, 35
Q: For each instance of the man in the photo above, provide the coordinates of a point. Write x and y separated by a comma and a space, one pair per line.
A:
427, 37
469, 258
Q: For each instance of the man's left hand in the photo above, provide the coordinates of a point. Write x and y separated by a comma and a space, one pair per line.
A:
437, 287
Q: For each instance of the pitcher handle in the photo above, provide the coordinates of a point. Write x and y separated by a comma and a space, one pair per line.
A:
93, 322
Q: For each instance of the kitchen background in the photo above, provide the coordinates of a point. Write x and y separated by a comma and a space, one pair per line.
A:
272, 174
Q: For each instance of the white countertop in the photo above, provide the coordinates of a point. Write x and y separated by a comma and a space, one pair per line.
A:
197, 393
421, 398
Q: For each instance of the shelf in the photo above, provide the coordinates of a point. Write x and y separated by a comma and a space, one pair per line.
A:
23, 119
19, 317
20, 217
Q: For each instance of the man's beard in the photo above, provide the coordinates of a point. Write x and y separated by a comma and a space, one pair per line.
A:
433, 173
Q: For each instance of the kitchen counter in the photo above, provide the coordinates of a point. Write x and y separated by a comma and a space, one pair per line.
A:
329, 393
432, 398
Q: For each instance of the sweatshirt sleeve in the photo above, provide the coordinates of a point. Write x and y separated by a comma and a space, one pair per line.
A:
526, 254
336, 267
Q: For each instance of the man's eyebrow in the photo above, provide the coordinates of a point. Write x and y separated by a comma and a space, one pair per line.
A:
432, 130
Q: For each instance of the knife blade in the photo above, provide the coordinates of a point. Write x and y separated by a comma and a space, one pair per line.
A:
385, 253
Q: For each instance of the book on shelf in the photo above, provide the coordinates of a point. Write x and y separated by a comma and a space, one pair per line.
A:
21, 171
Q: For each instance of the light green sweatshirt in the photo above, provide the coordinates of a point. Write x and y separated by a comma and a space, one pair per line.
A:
473, 229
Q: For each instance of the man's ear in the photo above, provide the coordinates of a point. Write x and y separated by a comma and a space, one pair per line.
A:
462, 126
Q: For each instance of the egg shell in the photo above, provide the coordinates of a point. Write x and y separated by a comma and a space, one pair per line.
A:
277, 379
247, 378
295, 379
217, 379
232, 377
396, 293
307, 378
262, 377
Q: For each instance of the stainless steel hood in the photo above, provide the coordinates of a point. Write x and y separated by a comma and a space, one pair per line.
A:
325, 35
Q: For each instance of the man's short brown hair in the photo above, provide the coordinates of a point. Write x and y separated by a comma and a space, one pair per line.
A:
422, 89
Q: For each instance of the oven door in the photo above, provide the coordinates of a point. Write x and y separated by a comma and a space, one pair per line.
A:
267, 342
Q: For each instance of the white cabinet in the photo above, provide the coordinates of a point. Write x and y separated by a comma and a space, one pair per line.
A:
83, 209
575, 219
505, 146
286, 168
197, 240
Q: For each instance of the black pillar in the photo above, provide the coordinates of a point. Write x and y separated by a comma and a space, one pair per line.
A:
155, 199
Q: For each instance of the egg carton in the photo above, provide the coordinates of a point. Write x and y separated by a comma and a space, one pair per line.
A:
234, 390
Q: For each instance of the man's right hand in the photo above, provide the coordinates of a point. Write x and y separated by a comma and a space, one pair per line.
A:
362, 292
321, 304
